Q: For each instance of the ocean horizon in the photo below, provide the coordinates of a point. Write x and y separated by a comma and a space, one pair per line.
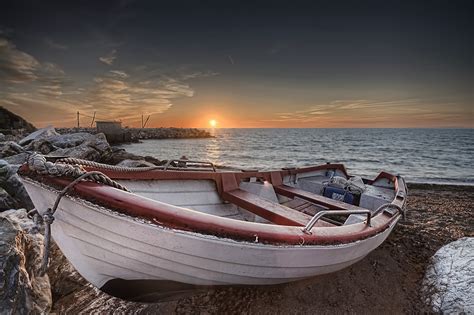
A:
421, 155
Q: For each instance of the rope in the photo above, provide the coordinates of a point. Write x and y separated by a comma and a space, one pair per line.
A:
37, 163
106, 166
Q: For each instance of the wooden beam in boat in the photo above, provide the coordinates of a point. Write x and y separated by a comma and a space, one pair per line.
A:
292, 192
271, 211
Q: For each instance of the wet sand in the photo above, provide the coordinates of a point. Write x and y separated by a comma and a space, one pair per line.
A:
387, 280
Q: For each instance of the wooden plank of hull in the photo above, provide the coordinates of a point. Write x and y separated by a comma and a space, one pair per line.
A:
103, 245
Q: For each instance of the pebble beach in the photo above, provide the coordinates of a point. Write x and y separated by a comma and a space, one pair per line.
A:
388, 280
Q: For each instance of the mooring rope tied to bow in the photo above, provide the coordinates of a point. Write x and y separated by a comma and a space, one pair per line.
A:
37, 163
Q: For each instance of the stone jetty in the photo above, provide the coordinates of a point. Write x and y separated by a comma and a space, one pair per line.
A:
137, 134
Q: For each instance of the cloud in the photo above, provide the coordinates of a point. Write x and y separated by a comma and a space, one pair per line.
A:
357, 109
120, 74
44, 90
198, 74
55, 45
362, 104
16, 66
120, 95
109, 58
23, 78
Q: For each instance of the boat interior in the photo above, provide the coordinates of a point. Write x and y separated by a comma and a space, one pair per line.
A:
287, 197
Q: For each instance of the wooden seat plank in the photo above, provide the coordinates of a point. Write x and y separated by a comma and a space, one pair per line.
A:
268, 210
332, 204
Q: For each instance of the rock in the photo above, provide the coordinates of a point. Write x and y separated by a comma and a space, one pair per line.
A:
71, 139
11, 183
116, 155
22, 290
167, 133
11, 148
17, 159
2, 137
135, 163
449, 279
42, 146
91, 149
6, 201
38, 134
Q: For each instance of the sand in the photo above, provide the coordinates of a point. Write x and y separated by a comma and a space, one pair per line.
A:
387, 280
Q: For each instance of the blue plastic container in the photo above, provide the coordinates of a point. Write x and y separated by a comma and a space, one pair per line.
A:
339, 194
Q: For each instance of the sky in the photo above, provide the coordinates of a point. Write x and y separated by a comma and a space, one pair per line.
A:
275, 64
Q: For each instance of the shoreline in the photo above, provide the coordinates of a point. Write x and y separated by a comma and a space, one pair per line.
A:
438, 213
441, 186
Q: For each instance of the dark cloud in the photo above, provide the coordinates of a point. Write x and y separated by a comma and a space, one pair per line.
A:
16, 66
281, 55
109, 58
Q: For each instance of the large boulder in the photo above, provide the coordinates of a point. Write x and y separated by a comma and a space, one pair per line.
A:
115, 156
11, 183
6, 201
38, 134
11, 148
449, 279
17, 159
22, 289
70, 140
42, 145
91, 149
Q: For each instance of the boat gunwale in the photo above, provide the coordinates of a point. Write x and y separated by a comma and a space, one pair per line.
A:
180, 218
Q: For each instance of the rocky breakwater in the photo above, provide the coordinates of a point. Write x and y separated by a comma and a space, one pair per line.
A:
167, 133
137, 134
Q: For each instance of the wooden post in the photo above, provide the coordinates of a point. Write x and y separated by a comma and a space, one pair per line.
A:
77, 119
93, 118
145, 121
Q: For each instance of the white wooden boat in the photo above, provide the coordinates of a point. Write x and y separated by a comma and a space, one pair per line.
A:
203, 227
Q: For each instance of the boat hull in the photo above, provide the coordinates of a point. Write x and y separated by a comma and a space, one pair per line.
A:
104, 245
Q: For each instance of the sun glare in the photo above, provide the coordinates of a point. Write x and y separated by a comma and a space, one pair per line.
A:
213, 123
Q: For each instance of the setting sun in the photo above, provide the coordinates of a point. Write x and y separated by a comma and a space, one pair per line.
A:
213, 123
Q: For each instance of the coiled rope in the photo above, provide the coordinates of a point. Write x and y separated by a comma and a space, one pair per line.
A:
75, 161
38, 164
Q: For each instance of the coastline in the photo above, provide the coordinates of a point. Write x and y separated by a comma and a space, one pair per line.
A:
468, 187
437, 215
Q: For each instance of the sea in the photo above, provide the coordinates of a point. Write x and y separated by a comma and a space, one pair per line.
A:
440, 156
